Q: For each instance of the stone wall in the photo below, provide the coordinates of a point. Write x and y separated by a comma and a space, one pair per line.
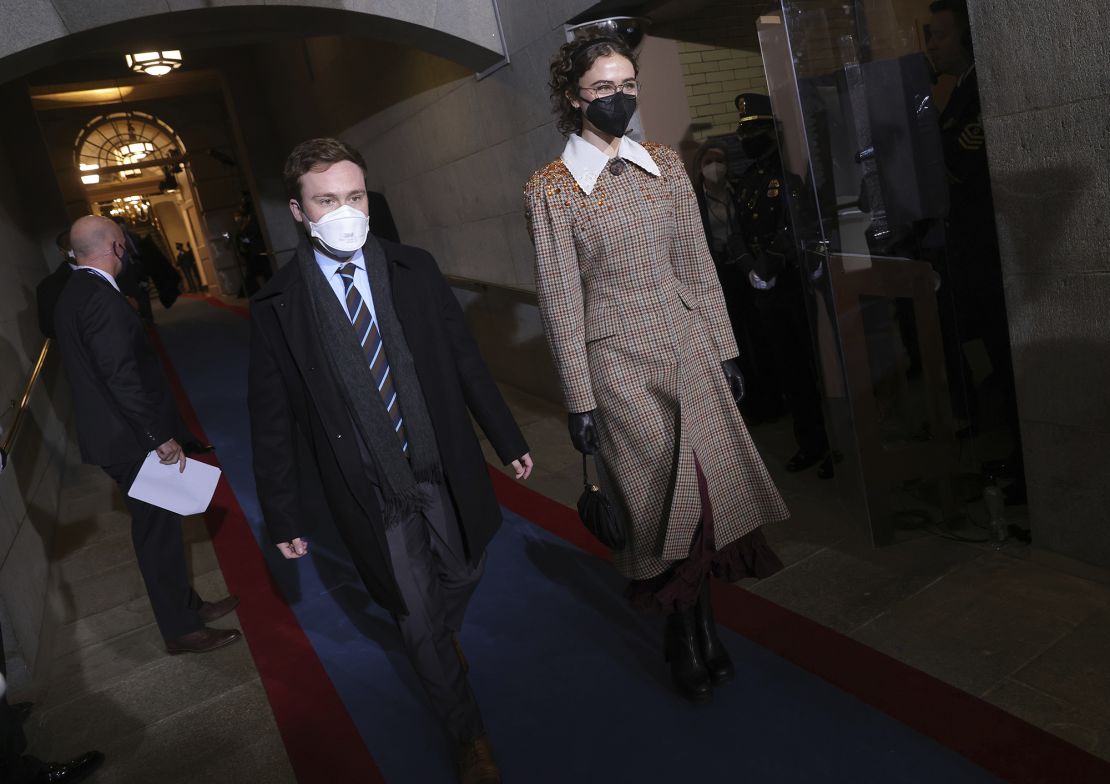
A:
30, 486
1045, 80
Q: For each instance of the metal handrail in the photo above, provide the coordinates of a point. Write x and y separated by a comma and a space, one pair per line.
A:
25, 401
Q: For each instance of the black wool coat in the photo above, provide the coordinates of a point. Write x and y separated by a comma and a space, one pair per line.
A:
305, 447
46, 296
122, 401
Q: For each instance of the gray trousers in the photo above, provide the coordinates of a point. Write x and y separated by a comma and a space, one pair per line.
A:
436, 581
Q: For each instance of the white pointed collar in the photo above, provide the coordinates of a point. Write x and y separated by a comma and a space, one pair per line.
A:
586, 162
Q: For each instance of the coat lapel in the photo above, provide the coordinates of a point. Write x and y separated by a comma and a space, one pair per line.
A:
295, 318
400, 274
294, 315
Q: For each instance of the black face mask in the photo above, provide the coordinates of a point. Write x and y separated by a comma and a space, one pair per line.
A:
123, 253
758, 145
612, 114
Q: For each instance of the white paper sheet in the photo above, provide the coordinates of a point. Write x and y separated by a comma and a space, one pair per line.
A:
186, 492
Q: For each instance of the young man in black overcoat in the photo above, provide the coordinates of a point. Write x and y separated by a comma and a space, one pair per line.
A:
363, 379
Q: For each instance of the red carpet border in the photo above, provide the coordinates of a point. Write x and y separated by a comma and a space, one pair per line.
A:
323, 744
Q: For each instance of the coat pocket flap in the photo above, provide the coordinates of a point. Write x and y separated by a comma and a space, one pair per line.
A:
601, 324
687, 296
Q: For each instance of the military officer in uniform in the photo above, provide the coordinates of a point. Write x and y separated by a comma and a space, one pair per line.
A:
770, 264
973, 269
713, 180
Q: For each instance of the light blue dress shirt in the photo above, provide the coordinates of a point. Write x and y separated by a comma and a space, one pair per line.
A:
331, 267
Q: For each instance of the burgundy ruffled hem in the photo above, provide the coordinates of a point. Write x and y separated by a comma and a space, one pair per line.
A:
678, 587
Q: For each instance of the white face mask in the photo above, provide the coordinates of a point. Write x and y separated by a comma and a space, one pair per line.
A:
344, 229
713, 172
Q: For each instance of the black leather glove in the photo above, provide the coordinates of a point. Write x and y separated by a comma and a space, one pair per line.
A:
583, 433
735, 379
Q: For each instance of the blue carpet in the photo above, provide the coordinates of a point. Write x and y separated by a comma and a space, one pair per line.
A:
571, 682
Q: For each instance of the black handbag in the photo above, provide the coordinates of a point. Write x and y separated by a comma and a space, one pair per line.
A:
598, 514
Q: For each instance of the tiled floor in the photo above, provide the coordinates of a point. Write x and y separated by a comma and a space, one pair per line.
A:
1021, 628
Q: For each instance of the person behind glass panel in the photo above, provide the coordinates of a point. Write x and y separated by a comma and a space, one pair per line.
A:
972, 274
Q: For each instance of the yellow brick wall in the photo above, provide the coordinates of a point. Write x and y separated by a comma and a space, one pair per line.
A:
719, 51
714, 76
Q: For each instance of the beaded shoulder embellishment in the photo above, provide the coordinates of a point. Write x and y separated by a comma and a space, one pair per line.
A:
556, 181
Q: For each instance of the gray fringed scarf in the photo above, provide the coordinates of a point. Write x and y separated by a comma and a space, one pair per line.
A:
403, 480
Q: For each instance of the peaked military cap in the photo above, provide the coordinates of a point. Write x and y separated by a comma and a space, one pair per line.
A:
753, 107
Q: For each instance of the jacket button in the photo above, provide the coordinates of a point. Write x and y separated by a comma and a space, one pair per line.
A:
338, 435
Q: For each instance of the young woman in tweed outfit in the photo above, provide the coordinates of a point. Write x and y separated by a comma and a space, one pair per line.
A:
637, 326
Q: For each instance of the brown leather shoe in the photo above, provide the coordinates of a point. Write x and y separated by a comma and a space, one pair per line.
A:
476, 763
202, 640
210, 611
459, 652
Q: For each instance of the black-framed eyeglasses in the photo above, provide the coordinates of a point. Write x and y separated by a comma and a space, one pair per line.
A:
607, 89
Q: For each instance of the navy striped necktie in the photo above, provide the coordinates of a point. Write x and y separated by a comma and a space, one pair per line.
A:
367, 331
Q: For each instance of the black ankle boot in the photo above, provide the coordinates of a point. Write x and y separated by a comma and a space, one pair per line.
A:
716, 658
681, 648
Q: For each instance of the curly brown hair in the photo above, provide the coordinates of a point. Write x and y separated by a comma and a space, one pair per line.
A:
573, 60
313, 154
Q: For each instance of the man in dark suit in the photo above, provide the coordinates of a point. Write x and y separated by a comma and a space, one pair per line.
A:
125, 410
187, 266
50, 288
363, 375
158, 267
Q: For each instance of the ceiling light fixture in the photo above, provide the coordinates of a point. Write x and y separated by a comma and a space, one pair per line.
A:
136, 151
154, 63
90, 179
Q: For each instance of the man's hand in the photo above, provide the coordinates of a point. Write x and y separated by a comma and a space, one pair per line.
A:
523, 466
294, 549
170, 453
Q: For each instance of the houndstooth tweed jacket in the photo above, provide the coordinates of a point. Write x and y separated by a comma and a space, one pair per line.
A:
636, 323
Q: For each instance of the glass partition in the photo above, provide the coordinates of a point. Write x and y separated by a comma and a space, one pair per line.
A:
916, 386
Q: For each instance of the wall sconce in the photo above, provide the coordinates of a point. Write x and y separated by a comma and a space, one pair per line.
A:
154, 63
